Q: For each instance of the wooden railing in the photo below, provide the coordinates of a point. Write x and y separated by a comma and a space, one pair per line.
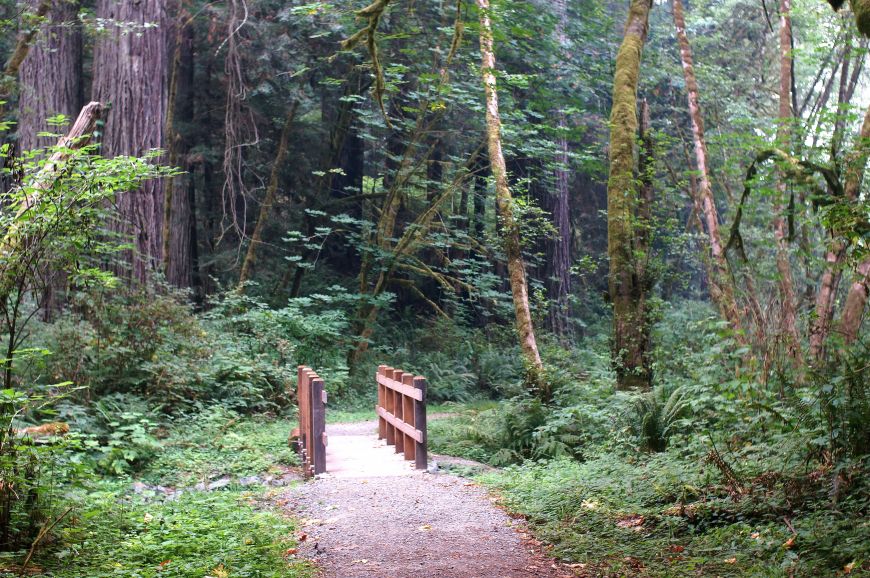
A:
401, 413
311, 434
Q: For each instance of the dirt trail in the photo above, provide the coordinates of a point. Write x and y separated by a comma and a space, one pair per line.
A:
376, 516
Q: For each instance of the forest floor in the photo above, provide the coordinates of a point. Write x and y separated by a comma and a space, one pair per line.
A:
373, 515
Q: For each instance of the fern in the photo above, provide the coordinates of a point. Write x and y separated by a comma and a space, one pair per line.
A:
653, 416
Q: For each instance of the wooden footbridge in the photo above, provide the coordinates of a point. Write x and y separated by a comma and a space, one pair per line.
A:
396, 447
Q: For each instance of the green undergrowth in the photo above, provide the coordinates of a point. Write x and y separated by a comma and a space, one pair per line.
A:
220, 443
664, 517
712, 473
158, 521
197, 534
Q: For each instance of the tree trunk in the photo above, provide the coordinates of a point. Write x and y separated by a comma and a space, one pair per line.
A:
50, 83
130, 71
788, 320
268, 200
504, 202
856, 302
559, 281
856, 163
175, 236
622, 199
50, 76
722, 289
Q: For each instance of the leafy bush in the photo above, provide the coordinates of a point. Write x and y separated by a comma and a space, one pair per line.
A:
193, 534
653, 417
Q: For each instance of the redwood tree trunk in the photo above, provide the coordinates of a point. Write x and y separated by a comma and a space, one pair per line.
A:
51, 75
504, 201
629, 338
50, 83
721, 284
130, 71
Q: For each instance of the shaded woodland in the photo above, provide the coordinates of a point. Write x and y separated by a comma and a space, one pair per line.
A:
627, 243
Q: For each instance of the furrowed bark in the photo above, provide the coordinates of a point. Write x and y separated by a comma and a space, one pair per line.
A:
50, 76
504, 201
130, 71
622, 200
722, 290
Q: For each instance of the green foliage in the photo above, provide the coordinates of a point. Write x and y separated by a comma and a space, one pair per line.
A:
218, 443
193, 534
652, 417
26, 470
843, 400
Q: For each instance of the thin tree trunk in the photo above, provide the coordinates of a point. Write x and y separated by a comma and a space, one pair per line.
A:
268, 200
622, 199
856, 302
788, 312
559, 281
830, 282
504, 201
722, 289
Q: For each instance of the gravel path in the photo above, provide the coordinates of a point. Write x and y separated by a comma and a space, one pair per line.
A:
404, 523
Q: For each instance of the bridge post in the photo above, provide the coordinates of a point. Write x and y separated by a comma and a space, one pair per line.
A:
421, 448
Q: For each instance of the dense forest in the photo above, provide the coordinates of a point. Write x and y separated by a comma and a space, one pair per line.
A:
627, 243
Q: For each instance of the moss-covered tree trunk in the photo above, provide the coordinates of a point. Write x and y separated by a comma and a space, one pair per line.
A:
722, 289
856, 302
629, 314
504, 202
856, 163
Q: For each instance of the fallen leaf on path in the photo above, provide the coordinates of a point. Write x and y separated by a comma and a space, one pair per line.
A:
425, 527
634, 521
363, 561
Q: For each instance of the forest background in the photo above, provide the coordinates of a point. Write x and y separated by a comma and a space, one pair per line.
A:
627, 246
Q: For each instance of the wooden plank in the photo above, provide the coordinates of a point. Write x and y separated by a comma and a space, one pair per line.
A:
408, 415
399, 386
303, 410
398, 409
382, 423
388, 407
421, 451
318, 428
415, 434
